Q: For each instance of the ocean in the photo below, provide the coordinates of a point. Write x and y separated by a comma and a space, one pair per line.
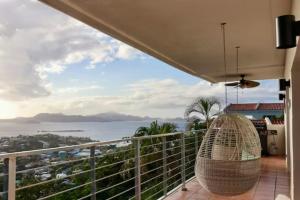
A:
101, 131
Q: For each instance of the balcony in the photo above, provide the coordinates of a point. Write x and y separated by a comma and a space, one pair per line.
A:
273, 185
133, 168
149, 167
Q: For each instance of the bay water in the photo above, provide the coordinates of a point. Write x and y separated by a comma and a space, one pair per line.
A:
101, 131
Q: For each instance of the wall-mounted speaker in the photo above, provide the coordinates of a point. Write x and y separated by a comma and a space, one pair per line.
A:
283, 84
286, 31
281, 96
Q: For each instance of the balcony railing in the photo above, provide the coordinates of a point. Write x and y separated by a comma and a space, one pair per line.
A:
147, 167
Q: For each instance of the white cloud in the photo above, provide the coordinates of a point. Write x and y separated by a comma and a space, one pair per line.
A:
126, 52
161, 98
36, 40
170, 93
74, 90
56, 69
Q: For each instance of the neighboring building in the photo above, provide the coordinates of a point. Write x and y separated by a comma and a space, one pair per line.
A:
257, 110
263, 116
278, 138
272, 135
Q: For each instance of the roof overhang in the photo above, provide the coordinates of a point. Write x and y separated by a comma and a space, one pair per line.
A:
187, 34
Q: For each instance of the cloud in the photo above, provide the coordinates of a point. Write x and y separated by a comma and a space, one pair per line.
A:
37, 40
169, 93
76, 90
126, 52
159, 98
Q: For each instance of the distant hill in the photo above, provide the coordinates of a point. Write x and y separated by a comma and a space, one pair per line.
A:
102, 117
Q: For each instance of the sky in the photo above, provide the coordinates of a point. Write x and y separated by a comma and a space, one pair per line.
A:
50, 62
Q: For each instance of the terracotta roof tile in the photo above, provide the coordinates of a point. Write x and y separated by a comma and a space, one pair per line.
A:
255, 106
258, 122
271, 106
277, 121
245, 106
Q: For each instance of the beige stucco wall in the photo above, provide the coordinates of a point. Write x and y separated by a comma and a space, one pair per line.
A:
292, 112
279, 139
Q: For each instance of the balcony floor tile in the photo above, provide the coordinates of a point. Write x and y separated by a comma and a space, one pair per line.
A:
272, 185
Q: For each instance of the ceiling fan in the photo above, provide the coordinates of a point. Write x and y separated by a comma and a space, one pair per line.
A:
243, 83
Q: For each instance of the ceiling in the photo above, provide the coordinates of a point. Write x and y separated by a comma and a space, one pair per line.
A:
187, 33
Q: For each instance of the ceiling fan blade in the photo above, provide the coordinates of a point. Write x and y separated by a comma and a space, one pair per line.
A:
232, 84
250, 84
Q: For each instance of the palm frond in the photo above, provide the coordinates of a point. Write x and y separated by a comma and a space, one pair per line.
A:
204, 107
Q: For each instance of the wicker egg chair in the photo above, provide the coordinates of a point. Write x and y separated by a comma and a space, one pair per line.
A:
228, 161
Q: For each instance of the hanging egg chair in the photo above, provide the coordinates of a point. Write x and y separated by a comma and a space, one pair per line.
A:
228, 161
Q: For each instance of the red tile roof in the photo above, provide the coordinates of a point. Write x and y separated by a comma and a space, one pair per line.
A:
263, 122
245, 106
277, 121
255, 106
271, 106
258, 122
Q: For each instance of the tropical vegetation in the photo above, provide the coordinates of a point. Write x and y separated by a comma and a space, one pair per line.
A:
155, 129
201, 112
114, 168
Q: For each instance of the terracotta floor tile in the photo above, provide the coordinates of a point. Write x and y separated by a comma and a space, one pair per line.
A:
274, 180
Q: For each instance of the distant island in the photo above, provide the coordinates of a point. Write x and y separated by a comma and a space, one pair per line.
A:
102, 117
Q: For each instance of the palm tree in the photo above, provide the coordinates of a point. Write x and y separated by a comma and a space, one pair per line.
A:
141, 131
152, 145
205, 108
155, 129
195, 124
168, 127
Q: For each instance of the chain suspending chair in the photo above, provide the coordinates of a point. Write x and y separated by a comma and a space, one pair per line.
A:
228, 161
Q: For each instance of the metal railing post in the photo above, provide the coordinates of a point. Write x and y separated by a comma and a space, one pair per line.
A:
196, 142
164, 147
93, 173
5, 178
183, 162
137, 169
12, 178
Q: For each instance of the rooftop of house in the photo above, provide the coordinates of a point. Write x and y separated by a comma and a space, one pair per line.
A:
262, 122
256, 107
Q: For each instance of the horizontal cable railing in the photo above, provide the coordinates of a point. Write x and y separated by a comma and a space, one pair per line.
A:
146, 167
